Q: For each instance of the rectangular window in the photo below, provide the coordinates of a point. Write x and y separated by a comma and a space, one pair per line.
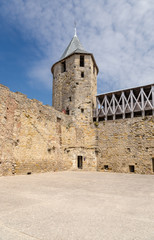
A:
81, 61
67, 111
82, 74
63, 67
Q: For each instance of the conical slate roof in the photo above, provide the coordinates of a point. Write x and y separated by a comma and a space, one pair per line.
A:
74, 47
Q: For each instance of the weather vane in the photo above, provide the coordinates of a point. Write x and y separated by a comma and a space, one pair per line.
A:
75, 28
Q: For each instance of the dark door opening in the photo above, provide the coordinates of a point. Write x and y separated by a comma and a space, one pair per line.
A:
80, 162
131, 168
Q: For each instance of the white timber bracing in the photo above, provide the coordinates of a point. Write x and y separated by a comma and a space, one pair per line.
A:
126, 103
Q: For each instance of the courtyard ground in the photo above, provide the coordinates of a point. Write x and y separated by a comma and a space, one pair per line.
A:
77, 206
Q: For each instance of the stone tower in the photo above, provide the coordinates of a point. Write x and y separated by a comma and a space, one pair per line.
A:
75, 82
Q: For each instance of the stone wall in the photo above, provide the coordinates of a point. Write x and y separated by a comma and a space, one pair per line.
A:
126, 143
30, 139
37, 138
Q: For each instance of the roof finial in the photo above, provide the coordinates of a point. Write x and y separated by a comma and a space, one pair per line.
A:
75, 29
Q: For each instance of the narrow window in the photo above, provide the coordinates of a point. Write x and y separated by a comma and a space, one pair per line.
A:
81, 61
63, 67
82, 110
82, 74
80, 162
153, 164
131, 168
70, 99
67, 111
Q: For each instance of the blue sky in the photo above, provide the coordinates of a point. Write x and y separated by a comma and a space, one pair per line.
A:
35, 33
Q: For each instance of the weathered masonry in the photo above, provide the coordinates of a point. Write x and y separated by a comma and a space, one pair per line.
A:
128, 103
126, 145
72, 135
75, 82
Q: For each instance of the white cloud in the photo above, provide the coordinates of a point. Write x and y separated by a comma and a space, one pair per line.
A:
119, 34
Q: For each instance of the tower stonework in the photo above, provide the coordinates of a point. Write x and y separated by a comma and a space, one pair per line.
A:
75, 82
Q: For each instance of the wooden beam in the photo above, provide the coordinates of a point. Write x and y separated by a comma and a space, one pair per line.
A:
142, 102
127, 101
152, 89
